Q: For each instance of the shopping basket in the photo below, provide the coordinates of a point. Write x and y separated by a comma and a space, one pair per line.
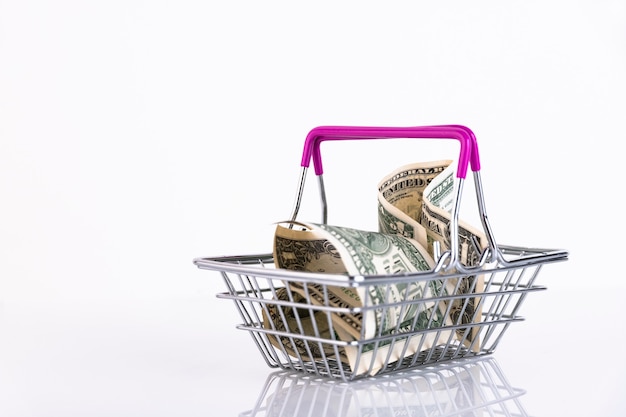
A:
508, 275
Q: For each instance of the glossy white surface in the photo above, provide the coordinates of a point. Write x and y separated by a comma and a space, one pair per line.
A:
182, 356
136, 136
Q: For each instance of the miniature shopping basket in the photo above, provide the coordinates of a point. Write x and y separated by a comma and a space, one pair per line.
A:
507, 274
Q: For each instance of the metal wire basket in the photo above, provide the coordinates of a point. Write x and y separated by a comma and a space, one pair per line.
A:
477, 316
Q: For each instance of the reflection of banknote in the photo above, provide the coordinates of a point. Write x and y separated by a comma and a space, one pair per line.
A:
400, 189
331, 249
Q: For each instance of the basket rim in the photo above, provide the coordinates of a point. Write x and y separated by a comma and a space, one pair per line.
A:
255, 265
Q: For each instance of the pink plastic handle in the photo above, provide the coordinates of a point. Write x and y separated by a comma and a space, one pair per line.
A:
468, 154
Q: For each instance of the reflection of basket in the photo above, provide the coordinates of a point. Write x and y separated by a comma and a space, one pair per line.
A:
459, 388
480, 317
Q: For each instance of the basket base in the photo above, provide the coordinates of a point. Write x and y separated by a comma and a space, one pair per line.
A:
337, 370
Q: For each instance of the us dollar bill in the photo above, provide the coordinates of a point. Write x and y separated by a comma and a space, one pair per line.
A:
414, 204
437, 198
303, 321
332, 249
401, 196
435, 217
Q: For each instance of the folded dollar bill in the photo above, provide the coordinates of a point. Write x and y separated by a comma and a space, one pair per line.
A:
401, 199
414, 204
419, 198
381, 310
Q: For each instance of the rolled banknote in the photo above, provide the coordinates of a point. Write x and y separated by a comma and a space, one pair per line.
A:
404, 307
423, 194
439, 197
299, 321
400, 199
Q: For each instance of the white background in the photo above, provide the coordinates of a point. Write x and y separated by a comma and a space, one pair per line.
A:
138, 135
